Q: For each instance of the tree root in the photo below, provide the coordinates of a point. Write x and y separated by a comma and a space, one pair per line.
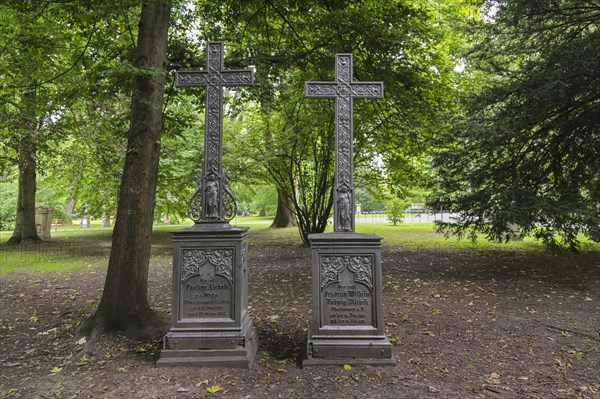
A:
14, 241
89, 349
146, 327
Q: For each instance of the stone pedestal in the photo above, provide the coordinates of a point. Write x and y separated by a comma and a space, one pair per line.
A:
211, 326
43, 222
347, 322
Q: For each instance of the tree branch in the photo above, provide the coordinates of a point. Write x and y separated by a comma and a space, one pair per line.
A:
87, 44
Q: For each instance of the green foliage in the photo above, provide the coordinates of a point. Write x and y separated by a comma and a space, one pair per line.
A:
61, 90
181, 156
369, 202
409, 45
8, 203
257, 199
527, 151
301, 161
273, 136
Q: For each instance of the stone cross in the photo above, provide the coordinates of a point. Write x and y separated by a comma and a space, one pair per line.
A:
212, 201
344, 90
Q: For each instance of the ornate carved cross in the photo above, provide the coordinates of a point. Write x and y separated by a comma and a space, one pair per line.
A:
212, 201
344, 90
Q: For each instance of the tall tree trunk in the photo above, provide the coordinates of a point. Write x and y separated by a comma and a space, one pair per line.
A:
25, 229
124, 303
284, 217
69, 211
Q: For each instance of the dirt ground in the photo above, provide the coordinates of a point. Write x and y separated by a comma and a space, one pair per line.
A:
465, 324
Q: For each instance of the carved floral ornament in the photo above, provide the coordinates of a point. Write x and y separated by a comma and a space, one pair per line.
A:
361, 266
244, 253
194, 259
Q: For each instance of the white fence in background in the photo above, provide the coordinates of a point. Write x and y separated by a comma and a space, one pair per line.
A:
409, 217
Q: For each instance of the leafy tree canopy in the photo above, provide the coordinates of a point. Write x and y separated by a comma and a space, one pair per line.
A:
527, 151
408, 44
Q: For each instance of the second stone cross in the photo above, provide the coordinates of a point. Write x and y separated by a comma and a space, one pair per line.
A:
347, 314
344, 90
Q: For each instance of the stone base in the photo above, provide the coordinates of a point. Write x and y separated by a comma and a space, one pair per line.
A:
185, 338
347, 322
211, 326
241, 356
373, 351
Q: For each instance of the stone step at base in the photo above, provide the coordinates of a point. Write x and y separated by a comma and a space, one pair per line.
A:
316, 362
202, 353
185, 360
235, 358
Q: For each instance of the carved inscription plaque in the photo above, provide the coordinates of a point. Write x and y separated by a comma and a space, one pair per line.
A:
206, 285
347, 291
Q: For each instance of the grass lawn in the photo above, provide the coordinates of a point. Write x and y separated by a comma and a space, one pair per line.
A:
75, 248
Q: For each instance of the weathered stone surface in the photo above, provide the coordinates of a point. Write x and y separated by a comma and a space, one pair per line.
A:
43, 221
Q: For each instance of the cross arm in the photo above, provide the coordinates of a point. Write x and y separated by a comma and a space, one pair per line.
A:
320, 89
367, 90
237, 77
191, 78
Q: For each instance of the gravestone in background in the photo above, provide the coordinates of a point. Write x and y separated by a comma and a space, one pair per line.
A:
85, 222
347, 320
211, 326
43, 222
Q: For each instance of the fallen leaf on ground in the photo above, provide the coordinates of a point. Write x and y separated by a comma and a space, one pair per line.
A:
214, 388
493, 379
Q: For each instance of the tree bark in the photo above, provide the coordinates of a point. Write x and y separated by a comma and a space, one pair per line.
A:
25, 229
284, 217
69, 211
124, 303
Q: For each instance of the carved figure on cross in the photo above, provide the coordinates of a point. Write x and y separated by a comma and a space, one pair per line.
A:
212, 201
344, 90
